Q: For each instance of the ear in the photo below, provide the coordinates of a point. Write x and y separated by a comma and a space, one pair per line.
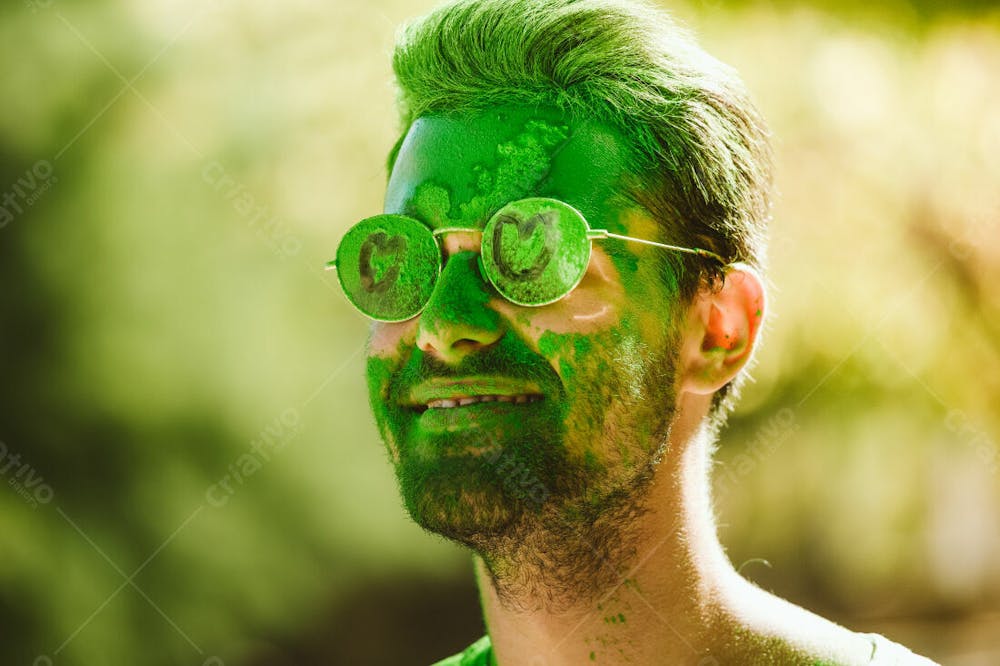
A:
721, 330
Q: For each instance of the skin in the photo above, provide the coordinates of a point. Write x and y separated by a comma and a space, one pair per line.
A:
588, 510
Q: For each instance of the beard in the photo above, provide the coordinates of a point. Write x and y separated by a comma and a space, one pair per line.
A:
550, 496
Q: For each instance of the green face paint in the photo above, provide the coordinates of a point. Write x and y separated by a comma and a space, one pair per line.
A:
520, 164
455, 467
493, 473
457, 170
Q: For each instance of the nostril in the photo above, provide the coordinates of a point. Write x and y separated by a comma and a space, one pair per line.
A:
462, 344
466, 343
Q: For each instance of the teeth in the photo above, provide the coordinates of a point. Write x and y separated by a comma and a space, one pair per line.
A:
445, 403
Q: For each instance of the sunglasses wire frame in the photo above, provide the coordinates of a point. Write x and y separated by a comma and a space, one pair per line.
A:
592, 234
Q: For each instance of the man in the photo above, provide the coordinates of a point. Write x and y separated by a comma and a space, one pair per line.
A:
566, 286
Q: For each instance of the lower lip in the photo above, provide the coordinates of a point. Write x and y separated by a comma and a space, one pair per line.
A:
476, 415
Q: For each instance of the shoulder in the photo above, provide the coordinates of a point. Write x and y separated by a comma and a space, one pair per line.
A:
771, 630
887, 653
479, 653
850, 649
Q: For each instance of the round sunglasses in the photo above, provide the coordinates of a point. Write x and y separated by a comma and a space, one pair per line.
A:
534, 252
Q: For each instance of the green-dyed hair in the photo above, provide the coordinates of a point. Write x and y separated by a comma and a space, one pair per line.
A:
705, 165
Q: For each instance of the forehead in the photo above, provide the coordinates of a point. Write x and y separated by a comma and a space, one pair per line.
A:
458, 169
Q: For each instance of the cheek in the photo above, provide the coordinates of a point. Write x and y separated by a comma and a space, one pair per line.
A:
592, 307
385, 350
384, 338
378, 370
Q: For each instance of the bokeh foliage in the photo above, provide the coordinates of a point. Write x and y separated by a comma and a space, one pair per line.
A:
187, 382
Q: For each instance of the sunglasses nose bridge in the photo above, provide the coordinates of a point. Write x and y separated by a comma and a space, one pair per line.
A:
458, 239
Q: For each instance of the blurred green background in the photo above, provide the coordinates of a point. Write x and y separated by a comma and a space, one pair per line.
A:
191, 475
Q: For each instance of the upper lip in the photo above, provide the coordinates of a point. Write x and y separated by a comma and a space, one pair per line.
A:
452, 389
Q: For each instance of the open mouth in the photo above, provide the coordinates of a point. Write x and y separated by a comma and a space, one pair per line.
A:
445, 403
512, 412
465, 401
491, 394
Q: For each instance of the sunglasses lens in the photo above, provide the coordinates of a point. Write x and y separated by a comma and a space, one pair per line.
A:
535, 251
388, 265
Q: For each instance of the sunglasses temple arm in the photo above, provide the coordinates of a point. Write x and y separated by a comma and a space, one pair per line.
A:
604, 233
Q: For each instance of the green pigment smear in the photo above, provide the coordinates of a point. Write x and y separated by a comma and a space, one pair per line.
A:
432, 204
378, 371
551, 343
596, 369
521, 165
441, 490
461, 298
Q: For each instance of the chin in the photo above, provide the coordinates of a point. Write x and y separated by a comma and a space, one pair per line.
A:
462, 516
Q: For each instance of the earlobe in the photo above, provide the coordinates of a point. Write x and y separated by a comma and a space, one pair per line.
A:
722, 330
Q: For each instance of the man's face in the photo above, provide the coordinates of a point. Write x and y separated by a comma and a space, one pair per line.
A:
583, 389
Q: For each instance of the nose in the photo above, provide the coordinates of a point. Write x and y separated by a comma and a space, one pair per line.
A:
458, 319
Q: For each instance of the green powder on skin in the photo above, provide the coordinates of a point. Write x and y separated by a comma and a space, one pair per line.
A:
462, 299
444, 491
432, 204
441, 490
521, 165
583, 361
573, 345
581, 354
378, 370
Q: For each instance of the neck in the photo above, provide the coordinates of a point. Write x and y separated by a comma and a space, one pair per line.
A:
676, 598
662, 607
